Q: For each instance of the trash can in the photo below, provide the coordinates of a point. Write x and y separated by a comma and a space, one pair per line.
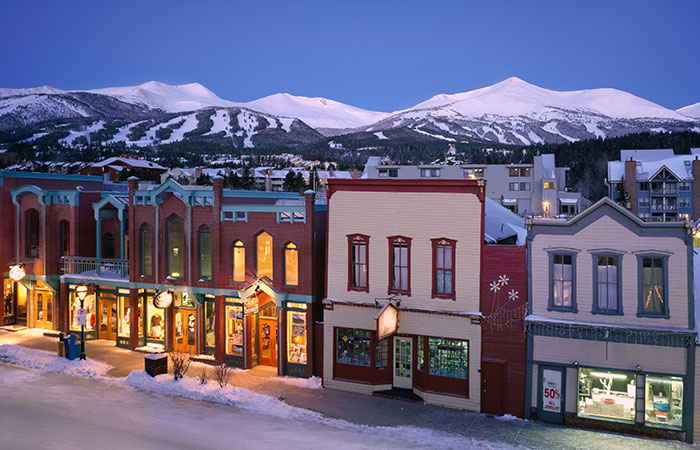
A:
61, 350
156, 364
71, 348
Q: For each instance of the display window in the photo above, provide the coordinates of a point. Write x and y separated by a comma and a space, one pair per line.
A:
7, 297
607, 395
448, 357
22, 294
296, 337
124, 316
209, 321
234, 330
382, 357
353, 346
89, 305
664, 401
155, 321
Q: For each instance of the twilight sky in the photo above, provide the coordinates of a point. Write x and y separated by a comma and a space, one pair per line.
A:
383, 55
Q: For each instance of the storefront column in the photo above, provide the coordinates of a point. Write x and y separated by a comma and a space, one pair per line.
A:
219, 329
282, 339
98, 238
121, 234
134, 318
63, 307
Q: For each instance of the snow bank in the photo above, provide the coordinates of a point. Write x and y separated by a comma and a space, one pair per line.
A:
308, 383
40, 359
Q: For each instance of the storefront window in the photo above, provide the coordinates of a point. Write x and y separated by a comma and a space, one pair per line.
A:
296, 337
664, 401
421, 354
89, 305
209, 321
234, 330
382, 358
183, 300
238, 262
264, 256
22, 293
7, 297
124, 318
606, 395
155, 322
448, 357
353, 346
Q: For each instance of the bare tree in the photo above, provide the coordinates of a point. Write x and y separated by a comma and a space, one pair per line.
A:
203, 375
222, 374
180, 362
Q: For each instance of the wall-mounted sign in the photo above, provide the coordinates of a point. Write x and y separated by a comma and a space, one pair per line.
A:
163, 299
387, 321
17, 272
250, 306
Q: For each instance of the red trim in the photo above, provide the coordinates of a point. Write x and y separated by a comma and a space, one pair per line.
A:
453, 244
361, 238
399, 240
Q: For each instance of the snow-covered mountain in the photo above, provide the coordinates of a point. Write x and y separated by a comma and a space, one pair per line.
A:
317, 112
5, 92
690, 110
516, 112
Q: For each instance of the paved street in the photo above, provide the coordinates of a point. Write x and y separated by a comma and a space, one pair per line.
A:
89, 410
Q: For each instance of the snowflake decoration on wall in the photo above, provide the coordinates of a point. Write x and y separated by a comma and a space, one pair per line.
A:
495, 286
503, 280
513, 295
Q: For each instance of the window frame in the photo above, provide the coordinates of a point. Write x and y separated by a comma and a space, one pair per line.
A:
233, 261
28, 233
168, 223
142, 255
640, 293
549, 185
360, 239
596, 308
295, 249
204, 229
399, 240
453, 244
551, 306
64, 238
257, 255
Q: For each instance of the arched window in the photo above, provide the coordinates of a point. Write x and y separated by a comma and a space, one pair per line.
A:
64, 238
108, 245
238, 262
146, 251
264, 255
32, 233
204, 253
291, 265
176, 247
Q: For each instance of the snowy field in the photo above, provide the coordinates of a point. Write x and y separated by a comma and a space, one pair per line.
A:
49, 402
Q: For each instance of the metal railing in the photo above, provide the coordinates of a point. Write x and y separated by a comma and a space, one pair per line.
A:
664, 191
99, 267
655, 207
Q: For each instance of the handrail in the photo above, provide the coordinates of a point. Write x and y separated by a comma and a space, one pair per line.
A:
104, 267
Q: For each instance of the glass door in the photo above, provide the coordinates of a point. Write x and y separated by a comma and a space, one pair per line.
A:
43, 309
551, 394
108, 319
403, 367
185, 339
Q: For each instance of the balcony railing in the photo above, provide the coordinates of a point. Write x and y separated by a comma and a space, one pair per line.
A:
664, 191
662, 208
95, 267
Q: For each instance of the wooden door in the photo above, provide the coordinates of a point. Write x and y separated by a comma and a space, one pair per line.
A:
107, 328
185, 336
43, 307
403, 366
267, 335
492, 387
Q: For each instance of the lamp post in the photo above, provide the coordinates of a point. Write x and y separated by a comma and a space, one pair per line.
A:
82, 291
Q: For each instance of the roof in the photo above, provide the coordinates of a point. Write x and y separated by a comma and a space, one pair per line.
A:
501, 223
646, 155
680, 165
132, 162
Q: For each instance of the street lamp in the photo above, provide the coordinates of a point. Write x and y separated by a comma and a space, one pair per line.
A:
82, 291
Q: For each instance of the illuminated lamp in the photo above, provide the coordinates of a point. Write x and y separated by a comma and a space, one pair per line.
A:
81, 291
17, 272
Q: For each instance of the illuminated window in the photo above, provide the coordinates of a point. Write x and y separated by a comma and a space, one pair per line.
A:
549, 185
607, 289
448, 357
238, 262
204, 253
353, 347
176, 247
146, 251
296, 337
652, 286
264, 255
664, 402
606, 395
291, 265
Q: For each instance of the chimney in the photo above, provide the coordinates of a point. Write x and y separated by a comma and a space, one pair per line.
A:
631, 184
218, 190
696, 188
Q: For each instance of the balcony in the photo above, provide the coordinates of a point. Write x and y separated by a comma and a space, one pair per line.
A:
663, 208
95, 267
664, 191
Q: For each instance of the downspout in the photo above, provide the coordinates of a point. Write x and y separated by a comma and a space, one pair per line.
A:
189, 246
43, 239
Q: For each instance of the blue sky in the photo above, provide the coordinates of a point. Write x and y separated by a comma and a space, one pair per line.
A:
382, 55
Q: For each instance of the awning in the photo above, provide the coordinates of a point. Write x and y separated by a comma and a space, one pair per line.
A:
509, 201
568, 201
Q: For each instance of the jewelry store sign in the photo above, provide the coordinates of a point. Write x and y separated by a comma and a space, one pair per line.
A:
387, 321
551, 391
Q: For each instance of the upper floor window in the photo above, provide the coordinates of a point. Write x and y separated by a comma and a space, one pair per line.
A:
291, 265
443, 268
430, 173
522, 186
238, 262
562, 286
652, 286
204, 253
146, 251
549, 185
400, 265
643, 202
684, 186
607, 289
684, 202
108, 245
358, 262
643, 186
64, 238
176, 247
477, 172
264, 255
392, 173
518, 171
32, 233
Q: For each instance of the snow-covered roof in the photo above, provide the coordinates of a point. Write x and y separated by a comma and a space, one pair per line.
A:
680, 165
140, 163
646, 155
501, 223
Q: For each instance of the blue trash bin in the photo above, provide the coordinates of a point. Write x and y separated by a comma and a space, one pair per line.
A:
72, 349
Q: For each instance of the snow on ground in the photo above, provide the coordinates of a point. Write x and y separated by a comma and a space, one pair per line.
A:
123, 132
39, 359
221, 123
248, 122
286, 123
309, 383
380, 135
84, 132
444, 138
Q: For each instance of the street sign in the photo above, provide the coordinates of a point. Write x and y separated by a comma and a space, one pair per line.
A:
81, 316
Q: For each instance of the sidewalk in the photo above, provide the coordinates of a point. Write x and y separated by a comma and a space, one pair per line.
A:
372, 410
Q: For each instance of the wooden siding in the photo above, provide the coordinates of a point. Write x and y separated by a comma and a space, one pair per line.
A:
606, 233
421, 216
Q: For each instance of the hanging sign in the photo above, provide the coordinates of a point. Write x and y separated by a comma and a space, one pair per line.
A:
387, 321
250, 306
16, 272
82, 314
163, 299
551, 391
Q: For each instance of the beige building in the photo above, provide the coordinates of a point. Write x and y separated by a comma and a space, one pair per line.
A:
398, 317
611, 325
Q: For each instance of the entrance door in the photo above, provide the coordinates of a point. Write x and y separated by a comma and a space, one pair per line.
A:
552, 382
492, 387
185, 330
267, 334
44, 309
403, 367
108, 319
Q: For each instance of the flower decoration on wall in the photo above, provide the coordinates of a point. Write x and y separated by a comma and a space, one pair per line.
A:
513, 295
